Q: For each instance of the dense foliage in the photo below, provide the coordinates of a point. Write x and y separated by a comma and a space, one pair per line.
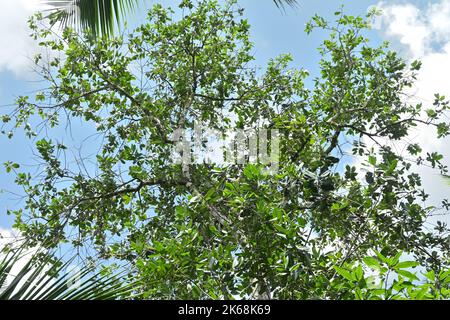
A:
316, 228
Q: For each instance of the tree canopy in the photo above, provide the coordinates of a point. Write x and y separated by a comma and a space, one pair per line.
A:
315, 228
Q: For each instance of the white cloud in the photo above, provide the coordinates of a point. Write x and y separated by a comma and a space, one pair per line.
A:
16, 46
404, 23
424, 33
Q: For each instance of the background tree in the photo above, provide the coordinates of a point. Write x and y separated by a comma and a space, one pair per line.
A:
221, 231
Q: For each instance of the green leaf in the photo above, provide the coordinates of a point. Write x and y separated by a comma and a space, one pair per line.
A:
395, 259
406, 264
372, 263
407, 274
430, 275
383, 258
345, 273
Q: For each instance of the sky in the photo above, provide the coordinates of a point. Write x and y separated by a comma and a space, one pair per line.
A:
416, 29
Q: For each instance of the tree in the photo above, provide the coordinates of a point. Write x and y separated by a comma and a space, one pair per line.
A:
208, 230
101, 16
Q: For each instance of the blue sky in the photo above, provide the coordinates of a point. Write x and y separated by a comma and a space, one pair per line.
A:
418, 29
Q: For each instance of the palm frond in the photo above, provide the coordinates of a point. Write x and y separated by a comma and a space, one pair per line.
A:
41, 279
283, 3
103, 16
100, 16
446, 178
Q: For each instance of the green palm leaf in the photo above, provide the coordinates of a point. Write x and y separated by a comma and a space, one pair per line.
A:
283, 3
34, 282
100, 16
446, 178
103, 16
